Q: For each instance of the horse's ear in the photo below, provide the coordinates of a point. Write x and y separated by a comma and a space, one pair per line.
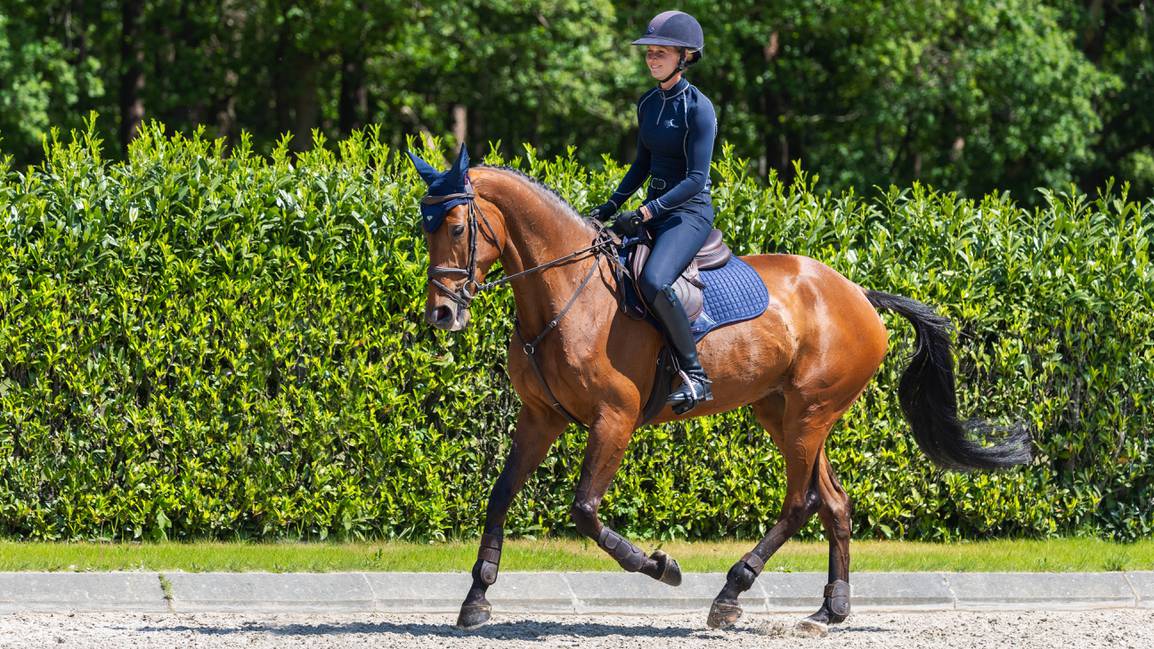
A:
428, 173
462, 163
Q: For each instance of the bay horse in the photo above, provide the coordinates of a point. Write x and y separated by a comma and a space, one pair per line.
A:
575, 354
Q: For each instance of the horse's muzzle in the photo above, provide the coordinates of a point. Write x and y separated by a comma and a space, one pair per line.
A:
449, 317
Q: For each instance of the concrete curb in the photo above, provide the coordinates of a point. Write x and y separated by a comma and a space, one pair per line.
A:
89, 591
556, 592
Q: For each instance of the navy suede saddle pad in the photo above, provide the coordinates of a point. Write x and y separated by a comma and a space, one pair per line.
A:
732, 293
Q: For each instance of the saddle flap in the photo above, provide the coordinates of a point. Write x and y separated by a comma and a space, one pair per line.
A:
688, 286
714, 253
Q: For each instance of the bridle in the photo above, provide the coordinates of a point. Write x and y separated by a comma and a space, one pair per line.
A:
603, 245
471, 288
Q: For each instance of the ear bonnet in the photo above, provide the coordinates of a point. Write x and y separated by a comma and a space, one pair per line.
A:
443, 183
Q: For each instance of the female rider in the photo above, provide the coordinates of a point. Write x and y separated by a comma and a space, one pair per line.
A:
675, 145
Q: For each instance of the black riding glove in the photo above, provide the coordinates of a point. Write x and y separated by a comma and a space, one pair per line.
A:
628, 223
603, 212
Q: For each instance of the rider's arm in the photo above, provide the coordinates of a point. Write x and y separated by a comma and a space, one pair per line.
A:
698, 151
638, 172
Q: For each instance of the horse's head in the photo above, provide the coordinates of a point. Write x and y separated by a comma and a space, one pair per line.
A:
462, 241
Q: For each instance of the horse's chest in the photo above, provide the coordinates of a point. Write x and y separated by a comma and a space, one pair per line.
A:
567, 360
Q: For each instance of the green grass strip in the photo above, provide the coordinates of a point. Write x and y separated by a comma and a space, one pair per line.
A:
1060, 555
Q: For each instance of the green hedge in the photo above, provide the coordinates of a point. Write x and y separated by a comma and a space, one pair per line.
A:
196, 343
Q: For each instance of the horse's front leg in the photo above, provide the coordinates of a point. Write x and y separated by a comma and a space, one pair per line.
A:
537, 428
608, 439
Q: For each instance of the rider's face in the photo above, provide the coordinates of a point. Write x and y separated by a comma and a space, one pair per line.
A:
662, 60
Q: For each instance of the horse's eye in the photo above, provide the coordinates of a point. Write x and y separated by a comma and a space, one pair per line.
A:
458, 230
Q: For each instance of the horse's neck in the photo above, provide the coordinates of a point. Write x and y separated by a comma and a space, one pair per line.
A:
538, 233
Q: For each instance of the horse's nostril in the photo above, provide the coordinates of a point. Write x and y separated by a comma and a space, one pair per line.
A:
442, 314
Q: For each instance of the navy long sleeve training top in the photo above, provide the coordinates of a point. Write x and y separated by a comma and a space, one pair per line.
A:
674, 147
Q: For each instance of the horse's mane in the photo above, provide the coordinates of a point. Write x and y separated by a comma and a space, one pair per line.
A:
546, 192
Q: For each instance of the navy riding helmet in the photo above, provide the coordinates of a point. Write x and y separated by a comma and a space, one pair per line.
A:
675, 29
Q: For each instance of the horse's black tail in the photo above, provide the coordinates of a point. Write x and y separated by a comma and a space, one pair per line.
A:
929, 400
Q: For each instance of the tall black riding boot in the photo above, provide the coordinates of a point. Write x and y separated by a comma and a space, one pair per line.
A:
696, 387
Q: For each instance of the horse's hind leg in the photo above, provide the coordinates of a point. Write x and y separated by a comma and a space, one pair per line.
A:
608, 439
536, 431
835, 516
800, 438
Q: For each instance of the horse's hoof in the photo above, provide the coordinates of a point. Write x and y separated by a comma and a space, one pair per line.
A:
723, 615
667, 568
474, 615
811, 628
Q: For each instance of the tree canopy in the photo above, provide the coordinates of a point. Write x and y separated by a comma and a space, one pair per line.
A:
967, 95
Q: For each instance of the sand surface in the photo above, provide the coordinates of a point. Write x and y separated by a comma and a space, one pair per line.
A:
1115, 629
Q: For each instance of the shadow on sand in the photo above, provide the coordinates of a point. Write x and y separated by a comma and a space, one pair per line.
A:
523, 630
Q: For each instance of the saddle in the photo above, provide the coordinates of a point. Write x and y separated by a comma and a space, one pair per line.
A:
689, 287
736, 293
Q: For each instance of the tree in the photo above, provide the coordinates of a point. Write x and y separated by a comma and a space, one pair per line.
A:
131, 70
551, 72
969, 95
47, 77
1118, 38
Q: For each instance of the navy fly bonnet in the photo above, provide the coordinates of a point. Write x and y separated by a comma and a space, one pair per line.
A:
453, 181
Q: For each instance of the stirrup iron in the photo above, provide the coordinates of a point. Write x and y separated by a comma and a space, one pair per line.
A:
694, 389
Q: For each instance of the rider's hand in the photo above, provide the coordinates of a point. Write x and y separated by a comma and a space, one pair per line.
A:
628, 223
602, 212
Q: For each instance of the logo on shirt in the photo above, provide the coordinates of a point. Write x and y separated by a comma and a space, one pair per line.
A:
670, 123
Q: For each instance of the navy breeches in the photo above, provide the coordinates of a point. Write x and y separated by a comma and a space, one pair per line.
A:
676, 239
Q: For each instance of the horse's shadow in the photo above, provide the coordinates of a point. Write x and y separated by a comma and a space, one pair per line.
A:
499, 631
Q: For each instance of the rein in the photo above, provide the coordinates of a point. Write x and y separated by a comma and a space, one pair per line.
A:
471, 288
464, 296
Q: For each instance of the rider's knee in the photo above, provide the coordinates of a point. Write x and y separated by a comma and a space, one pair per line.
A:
649, 287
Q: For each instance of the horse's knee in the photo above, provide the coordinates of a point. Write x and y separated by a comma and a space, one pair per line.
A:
584, 515
796, 511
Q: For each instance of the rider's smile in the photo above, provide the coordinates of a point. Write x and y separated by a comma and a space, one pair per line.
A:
660, 60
